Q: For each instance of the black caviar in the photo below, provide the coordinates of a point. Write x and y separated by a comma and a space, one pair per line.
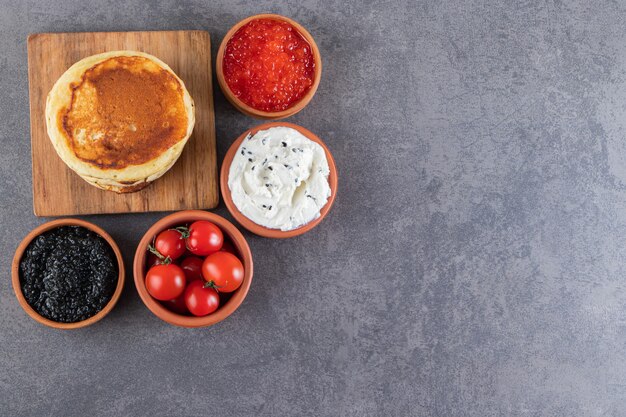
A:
68, 274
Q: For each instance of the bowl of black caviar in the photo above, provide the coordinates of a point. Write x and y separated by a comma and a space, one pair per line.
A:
68, 273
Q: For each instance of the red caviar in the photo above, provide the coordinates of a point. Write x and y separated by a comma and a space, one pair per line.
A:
268, 65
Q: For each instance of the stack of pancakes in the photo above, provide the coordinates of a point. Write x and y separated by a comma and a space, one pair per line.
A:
119, 119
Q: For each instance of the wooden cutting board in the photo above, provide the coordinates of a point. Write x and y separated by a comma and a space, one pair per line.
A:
192, 181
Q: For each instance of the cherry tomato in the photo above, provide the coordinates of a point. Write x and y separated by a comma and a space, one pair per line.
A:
204, 238
165, 282
192, 265
153, 260
229, 247
199, 300
170, 243
177, 305
223, 270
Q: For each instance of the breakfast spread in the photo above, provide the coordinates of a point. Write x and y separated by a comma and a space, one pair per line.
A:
68, 274
119, 119
279, 178
191, 269
269, 65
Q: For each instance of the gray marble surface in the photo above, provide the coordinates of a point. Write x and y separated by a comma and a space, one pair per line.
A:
473, 264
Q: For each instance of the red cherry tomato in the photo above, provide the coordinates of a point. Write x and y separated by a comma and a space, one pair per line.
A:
165, 282
170, 243
199, 300
177, 305
192, 265
223, 270
229, 247
204, 238
153, 260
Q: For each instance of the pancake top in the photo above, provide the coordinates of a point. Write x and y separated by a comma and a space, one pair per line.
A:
126, 110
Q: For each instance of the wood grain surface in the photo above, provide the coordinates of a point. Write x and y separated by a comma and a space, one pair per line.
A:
192, 181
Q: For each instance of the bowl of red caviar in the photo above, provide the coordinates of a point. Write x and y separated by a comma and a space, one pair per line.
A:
268, 66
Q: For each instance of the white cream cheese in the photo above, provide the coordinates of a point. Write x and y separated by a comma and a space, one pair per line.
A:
279, 178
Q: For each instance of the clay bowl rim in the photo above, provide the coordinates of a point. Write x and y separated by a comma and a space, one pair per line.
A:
249, 224
155, 306
249, 110
15, 274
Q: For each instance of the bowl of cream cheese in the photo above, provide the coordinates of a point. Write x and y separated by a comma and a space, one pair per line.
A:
278, 180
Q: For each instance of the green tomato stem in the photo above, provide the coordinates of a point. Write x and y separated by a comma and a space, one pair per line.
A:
165, 260
211, 284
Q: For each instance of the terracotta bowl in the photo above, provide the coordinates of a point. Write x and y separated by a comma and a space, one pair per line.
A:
176, 219
251, 111
15, 272
249, 224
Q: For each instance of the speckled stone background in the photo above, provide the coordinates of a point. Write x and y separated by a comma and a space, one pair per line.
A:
473, 265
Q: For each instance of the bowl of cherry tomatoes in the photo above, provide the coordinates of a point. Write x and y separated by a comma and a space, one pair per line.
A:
193, 268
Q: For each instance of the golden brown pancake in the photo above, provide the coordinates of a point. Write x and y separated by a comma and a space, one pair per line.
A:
119, 119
